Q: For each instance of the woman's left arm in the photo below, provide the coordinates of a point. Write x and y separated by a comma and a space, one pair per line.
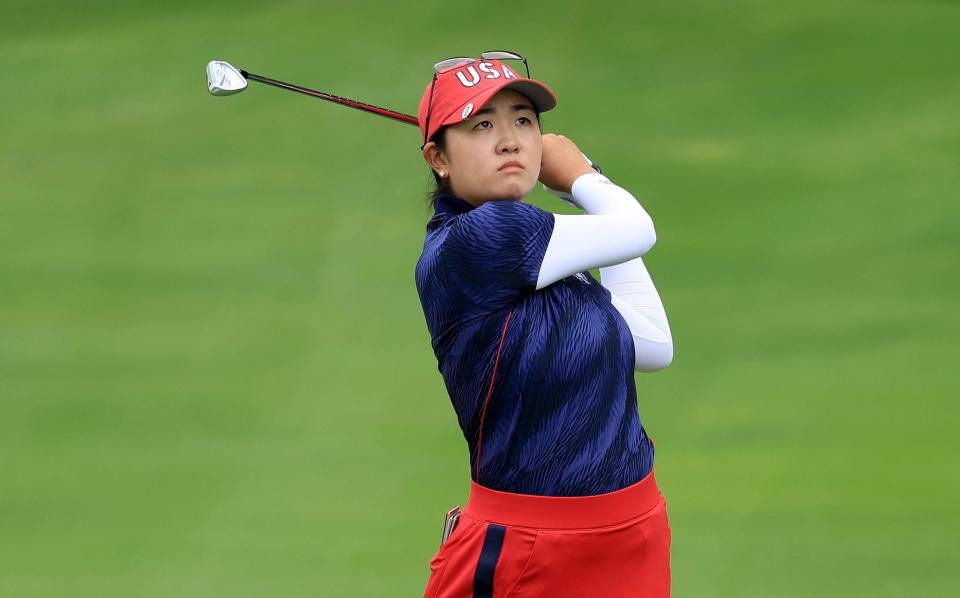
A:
634, 295
576, 244
613, 236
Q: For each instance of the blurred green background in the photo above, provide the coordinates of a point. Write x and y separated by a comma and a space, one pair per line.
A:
215, 375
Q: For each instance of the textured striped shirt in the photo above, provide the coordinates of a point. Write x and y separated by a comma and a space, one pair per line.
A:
542, 381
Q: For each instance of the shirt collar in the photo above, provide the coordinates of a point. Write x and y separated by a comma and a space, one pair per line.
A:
447, 205
451, 204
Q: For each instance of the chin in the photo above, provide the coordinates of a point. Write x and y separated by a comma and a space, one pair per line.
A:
517, 191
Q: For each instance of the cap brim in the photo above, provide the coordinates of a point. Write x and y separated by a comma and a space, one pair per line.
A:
539, 95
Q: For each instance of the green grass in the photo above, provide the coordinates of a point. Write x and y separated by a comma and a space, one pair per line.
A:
215, 377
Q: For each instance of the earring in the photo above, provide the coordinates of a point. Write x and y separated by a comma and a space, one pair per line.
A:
443, 173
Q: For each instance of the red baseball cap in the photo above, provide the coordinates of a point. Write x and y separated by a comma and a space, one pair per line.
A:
461, 91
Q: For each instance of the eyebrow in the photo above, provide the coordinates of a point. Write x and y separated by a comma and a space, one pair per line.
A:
516, 108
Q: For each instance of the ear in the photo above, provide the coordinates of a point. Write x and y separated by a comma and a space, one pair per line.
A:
435, 158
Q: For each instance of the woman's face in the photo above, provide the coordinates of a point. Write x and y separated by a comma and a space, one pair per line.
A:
478, 150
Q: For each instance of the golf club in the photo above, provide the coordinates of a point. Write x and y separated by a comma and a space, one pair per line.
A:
224, 79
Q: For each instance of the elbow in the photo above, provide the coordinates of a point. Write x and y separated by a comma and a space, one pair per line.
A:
654, 358
650, 239
647, 234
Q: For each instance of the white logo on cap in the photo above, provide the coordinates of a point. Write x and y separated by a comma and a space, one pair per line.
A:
474, 77
489, 73
466, 111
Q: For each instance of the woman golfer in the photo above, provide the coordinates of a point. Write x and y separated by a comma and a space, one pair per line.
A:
538, 357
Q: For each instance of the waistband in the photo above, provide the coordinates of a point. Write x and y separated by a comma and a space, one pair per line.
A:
562, 512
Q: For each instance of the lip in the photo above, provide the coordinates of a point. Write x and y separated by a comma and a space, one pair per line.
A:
511, 164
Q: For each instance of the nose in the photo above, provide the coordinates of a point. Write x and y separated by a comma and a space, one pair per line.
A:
509, 143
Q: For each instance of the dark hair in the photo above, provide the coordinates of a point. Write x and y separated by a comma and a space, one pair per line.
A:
442, 185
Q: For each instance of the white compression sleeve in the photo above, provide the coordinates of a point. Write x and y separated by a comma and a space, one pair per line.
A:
612, 236
616, 228
635, 297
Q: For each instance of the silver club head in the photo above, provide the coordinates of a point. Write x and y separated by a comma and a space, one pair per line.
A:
224, 79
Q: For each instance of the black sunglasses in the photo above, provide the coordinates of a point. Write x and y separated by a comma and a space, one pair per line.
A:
448, 64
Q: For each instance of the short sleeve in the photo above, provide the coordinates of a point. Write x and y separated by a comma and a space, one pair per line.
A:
494, 252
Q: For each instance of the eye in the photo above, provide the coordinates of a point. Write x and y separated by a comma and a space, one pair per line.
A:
483, 122
525, 120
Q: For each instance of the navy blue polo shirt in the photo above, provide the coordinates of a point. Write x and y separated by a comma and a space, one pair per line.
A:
541, 381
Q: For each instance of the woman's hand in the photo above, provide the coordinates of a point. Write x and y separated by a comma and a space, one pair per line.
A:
562, 163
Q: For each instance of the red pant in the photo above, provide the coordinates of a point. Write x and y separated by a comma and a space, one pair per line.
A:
520, 545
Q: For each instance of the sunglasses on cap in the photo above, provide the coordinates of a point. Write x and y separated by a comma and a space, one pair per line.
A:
448, 64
